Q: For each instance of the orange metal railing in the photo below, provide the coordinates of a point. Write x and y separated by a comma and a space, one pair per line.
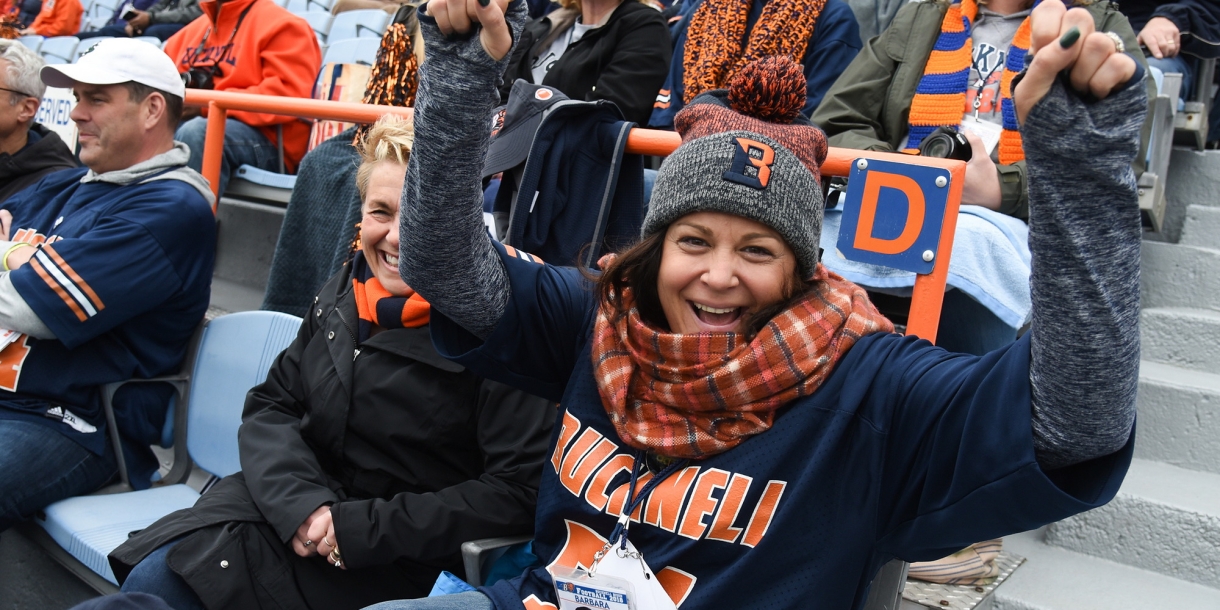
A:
929, 289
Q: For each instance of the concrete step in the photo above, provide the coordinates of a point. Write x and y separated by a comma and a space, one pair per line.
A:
1175, 275
1202, 226
1178, 419
1194, 177
1165, 519
1054, 578
1184, 337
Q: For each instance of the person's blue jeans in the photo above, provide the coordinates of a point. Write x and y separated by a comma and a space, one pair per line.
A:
244, 145
39, 466
162, 31
153, 576
462, 601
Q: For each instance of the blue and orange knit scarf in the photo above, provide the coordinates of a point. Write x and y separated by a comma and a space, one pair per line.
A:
377, 307
940, 98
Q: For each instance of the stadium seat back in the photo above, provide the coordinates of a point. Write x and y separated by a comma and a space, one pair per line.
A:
234, 355
59, 49
318, 20
297, 7
367, 23
31, 42
351, 51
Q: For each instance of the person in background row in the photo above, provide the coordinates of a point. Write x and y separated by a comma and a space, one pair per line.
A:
161, 20
116, 25
362, 475
28, 11
777, 442
56, 18
248, 46
617, 50
949, 64
715, 38
108, 271
1176, 34
28, 150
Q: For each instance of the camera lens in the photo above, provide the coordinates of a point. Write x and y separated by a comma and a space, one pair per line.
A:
945, 143
938, 147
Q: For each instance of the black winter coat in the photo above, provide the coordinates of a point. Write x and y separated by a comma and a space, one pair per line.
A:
46, 154
416, 454
624, 61
1197, 20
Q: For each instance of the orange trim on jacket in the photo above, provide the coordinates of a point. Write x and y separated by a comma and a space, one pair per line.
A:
58, 18
273, 53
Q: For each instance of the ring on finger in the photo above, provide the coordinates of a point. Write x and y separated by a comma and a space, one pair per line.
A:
335, 557
327, 542
308, 543
1118, 42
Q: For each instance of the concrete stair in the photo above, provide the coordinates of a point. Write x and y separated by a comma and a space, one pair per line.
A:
1182, 336
1157, 544
1055, 578
1165, 519
1179, 417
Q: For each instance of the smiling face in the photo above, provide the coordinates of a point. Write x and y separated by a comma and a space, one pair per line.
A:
379, 225
718, 269
112, 127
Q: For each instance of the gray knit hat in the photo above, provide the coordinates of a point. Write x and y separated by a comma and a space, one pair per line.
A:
743, 154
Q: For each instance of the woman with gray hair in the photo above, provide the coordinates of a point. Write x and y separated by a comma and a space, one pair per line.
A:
28, 150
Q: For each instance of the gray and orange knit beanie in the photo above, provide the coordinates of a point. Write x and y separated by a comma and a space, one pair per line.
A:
748, 152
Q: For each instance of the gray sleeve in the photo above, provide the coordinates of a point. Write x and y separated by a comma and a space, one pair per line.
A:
167, 11
1084, 233
16, 314
446, 254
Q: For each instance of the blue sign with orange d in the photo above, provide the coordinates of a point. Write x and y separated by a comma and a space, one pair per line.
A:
893, 213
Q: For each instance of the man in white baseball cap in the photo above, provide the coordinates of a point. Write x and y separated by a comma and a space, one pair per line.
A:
106, 273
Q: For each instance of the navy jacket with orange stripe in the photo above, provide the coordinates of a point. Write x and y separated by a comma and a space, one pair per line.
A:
122, 278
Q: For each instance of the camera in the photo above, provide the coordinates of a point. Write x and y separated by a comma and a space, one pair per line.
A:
946, 143
200, 78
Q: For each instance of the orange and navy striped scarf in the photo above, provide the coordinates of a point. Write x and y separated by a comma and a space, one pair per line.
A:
940, 98
717, 45
377, 307
700, 394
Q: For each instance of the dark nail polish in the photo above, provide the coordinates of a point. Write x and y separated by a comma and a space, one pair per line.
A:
1069, 38
484, 3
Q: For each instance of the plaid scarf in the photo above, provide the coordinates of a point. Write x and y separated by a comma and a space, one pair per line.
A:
697, 395
377, 307
717, 46
940, 98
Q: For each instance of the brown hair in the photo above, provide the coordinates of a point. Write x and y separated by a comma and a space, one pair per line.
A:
138, 92
637, 267
389, 139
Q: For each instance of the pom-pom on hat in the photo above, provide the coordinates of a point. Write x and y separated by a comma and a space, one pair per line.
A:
748, 152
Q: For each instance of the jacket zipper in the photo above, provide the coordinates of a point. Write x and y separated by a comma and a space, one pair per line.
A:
356, 352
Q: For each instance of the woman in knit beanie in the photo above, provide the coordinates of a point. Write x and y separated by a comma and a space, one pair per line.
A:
739, 428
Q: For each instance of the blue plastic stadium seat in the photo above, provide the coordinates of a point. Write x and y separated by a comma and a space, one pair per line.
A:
318, 20
266, 178
31, 42
351, 51
234, 354
297, 7
365, 23
59, 49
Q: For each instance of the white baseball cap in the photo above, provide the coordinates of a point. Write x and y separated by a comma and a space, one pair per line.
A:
118, 60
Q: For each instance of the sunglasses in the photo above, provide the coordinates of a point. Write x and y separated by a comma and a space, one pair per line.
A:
21, 93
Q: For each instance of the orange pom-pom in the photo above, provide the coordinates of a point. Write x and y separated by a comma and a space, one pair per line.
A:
771, 89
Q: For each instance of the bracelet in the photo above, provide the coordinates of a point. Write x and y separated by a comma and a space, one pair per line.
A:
4, 260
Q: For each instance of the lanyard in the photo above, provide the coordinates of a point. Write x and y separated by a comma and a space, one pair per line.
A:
619, 534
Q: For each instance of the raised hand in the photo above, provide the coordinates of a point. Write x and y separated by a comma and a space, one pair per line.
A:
1093, 59
457, 17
